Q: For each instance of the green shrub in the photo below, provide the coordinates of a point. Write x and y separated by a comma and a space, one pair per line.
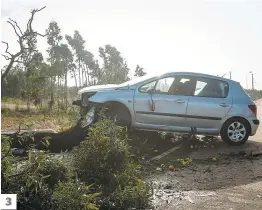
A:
104, 159
136, 195
103, 154
34, 180
56, 171
74, 196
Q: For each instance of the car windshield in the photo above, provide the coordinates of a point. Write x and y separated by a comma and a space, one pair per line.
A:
136, 80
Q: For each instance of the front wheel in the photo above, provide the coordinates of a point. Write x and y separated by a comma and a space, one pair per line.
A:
119, 114
235, 131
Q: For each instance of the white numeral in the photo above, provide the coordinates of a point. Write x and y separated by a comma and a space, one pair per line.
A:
8, 201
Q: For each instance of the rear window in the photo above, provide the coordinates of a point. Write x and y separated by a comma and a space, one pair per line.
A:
211, 88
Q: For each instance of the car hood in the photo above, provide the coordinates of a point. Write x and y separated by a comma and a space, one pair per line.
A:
97, 88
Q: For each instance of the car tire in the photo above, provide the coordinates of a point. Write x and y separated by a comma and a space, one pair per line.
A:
120, 114
235, 131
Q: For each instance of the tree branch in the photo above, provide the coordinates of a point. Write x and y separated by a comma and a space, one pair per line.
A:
29, 24
7, 47
27, 36
36, 33
6, 57
14, 28
17, 26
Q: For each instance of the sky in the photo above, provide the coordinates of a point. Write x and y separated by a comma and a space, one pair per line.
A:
207, 36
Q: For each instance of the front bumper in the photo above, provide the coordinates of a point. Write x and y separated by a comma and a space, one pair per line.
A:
89, 118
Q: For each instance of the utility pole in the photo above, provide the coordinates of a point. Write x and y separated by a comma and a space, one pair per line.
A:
230, 74
252, 81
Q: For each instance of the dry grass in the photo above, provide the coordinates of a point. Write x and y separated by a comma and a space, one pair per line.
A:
36, 120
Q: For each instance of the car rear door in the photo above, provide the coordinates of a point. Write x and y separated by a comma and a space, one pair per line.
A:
166, 105
209, 104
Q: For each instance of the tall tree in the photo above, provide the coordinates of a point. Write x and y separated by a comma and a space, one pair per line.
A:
25, 39
89, 66
66, 57
77, 43
115, 69
139, 72
53, 39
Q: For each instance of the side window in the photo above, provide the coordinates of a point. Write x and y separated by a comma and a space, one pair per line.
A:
211, 88
147, 87
184, 86
200, 85
163, 85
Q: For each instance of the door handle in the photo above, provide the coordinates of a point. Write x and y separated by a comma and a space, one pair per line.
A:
224, 105
179, 101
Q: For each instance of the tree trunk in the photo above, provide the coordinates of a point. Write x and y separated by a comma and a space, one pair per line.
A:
65, 93
52, 100
75, 78
8, 68
83, 72
79, 72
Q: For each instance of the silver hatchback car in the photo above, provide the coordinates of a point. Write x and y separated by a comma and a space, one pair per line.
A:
176, 102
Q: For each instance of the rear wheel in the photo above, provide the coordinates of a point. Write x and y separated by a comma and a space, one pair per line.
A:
235, 131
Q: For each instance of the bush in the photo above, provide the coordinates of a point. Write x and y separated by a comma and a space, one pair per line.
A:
74, 196
104, 158
34, 180
135, 195
103, 154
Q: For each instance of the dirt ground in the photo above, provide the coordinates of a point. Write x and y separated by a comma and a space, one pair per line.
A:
231, 181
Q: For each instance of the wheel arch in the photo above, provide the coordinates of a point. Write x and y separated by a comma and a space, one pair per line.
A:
119, 103
237, 117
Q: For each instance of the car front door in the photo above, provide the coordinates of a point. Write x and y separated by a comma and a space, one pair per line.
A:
209, 104
163, 104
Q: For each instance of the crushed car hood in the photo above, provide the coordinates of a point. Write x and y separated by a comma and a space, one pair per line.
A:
97, 88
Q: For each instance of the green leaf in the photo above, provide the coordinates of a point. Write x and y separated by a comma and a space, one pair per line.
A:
91, 206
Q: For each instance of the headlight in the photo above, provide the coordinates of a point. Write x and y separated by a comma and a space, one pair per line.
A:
88, 118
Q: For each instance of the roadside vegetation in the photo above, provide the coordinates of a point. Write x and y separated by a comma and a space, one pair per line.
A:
254, 94
100, 173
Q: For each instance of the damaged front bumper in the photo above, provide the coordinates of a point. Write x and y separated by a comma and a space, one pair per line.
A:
88, 118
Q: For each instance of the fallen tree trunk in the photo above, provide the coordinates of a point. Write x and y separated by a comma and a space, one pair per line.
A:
58, 142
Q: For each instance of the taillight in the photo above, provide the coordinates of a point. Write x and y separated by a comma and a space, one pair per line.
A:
253, 108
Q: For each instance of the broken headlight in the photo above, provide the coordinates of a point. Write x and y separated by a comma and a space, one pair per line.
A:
89, 118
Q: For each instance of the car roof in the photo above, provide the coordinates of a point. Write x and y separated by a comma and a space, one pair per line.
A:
197, 74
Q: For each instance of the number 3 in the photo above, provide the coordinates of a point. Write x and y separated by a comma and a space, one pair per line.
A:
8, 201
